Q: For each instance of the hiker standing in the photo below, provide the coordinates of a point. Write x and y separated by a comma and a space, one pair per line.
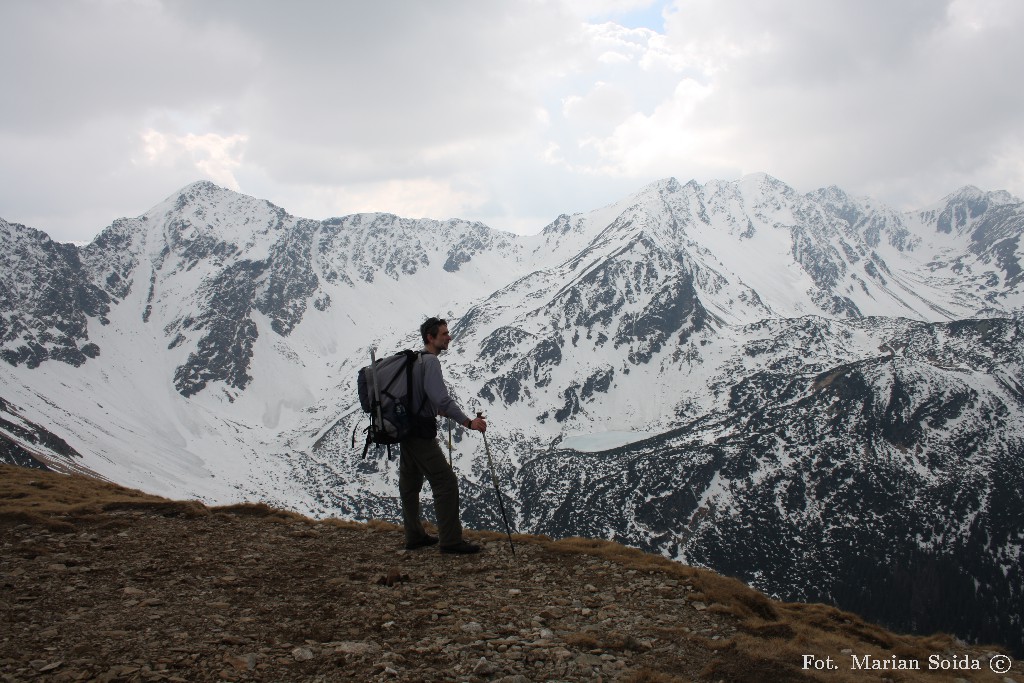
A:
421, 457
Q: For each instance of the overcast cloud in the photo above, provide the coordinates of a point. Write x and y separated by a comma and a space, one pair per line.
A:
505, 112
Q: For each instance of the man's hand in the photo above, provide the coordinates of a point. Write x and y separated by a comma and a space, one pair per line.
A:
478, 423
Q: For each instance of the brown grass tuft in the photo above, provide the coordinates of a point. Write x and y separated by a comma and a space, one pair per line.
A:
18, 517
49, 494
257, 510
345, 524
760, 628
188, 509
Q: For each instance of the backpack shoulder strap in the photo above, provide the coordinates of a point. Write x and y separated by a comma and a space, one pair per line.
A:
410, 360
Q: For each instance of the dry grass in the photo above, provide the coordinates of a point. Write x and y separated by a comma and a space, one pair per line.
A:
773, 637
344, 523
50, 499
258, 510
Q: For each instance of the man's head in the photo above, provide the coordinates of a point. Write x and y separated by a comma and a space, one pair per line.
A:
435, 334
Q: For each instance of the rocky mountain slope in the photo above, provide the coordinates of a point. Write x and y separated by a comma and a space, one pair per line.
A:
108, 584
814, 393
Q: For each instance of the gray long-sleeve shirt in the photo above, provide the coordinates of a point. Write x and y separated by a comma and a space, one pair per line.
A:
432, 387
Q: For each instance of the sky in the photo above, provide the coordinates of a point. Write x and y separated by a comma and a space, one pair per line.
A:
508, 113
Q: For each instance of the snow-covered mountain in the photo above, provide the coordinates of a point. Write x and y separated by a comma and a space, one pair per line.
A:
813, 392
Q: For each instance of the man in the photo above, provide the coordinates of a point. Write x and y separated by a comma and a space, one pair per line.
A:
421, 456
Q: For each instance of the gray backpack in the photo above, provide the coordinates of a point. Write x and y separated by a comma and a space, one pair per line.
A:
385, 393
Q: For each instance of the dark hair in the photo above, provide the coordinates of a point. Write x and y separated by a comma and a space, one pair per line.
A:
430, 327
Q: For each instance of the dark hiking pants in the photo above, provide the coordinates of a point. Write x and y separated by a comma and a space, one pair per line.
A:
423, 459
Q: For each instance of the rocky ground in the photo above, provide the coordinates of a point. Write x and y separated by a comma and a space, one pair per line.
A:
110, 585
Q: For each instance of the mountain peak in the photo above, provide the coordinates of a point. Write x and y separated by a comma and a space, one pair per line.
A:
957, 213
200, 190
204, 185
971, 193
668, 185
204, 193
207, 212
752, 183
833, 194
763, 184
966, 192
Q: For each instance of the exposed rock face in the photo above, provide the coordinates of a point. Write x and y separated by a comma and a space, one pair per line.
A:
27, 444
46, 298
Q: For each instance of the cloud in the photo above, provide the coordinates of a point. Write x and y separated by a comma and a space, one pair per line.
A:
214, 156
659, 142
603, 106
420, 198
501, 112
872, 96
68, 63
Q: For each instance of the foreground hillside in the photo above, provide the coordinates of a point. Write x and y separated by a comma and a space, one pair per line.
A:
103, 583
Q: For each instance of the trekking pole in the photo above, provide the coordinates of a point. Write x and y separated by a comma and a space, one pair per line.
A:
494, 480
449, 441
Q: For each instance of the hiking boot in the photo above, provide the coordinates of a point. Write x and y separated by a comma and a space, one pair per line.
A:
422, 543
461, 548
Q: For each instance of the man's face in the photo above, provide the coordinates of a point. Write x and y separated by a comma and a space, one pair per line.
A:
442, 339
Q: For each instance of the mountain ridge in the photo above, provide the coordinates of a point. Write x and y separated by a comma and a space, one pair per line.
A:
755, 354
